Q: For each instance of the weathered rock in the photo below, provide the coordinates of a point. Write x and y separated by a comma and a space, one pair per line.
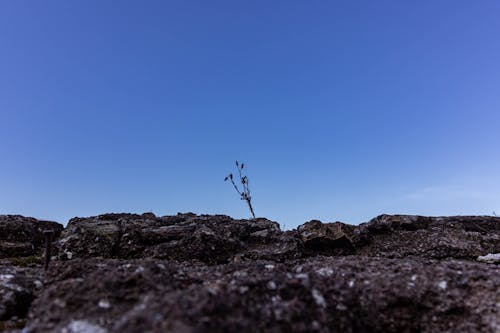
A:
23, 236
201, 273
389, 223
461, 237
326, 238
18, 288
210, 239
219, 239
323, 294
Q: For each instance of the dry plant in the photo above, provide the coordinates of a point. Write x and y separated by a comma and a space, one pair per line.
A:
245, 191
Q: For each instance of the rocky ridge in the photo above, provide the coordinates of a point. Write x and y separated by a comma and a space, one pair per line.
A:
211, 273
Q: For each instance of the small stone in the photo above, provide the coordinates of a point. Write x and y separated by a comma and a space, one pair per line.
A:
341, 307
443, 285
60, 303
83, 326
104, 304
318, 298
302, 276
271, 285
491, 258
6, 277
325, 271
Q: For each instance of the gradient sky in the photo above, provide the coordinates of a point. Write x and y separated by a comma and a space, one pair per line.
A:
341, 110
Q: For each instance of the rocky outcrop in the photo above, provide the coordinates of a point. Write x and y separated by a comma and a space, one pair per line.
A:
205, 238
220, 239
322, 294
202, 273
23, 236
398, 236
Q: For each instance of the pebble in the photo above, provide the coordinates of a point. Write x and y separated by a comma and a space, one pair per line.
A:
443, 285
318, 298
491, 258
325, 271
271, 285
104, 304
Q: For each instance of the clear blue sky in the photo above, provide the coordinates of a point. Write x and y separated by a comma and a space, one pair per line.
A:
341, 110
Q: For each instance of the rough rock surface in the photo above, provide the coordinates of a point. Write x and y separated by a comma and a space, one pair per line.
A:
209, 239
326, 238
324, 294
192, 273
399, 236
18, 287
23, 236
220, 239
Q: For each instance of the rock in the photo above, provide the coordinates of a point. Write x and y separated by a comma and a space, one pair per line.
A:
18, 287
82, 326
211, 273
326, 238
358, 294
91, 237
219, 239
210, 239
492, 258
390, 223
461, 237
23, 236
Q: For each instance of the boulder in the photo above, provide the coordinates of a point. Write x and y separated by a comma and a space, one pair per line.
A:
23, 236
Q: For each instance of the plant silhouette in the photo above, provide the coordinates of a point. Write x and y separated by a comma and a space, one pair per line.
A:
245, 191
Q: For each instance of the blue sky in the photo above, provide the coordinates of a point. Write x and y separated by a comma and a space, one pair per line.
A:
341, 110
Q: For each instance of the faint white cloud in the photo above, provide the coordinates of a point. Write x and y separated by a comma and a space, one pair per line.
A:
450, 200
447, 192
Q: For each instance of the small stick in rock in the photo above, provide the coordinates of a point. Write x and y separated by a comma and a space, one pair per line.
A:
48, 246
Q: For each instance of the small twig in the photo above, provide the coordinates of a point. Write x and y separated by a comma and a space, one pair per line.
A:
48, 246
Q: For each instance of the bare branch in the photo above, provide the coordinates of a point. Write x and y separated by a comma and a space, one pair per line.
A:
245, 191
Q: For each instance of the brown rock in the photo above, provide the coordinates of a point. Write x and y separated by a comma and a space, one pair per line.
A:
326, 238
